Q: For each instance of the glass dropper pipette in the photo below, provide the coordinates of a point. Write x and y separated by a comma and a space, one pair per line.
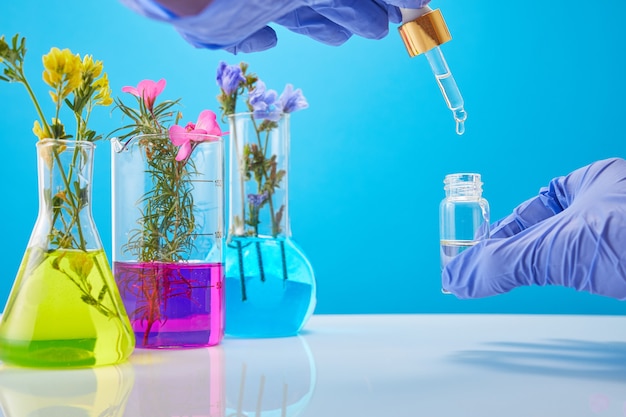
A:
422, 31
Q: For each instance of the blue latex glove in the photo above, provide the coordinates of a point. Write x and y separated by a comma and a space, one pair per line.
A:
572, 234
242, 25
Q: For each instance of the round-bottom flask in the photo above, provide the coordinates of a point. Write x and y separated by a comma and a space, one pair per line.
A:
270, 287
269, 284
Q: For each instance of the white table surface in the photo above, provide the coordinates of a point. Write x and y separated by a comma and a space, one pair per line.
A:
356, 365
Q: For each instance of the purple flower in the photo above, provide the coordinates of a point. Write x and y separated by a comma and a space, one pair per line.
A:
257, 199
262, 99
291, 100
229, 77
263, 102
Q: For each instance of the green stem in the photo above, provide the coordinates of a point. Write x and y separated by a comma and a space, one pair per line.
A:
258, 134
85, 120
70, 173
70, 199
96, 304
272, 214
241, 171
104, 282
34, 100
254, 218
168, 224
178, 183
58, 105
267, 137
244, 295
269, 194
79, 127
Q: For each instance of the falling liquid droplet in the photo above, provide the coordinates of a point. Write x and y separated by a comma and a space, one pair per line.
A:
460, 127
459, 116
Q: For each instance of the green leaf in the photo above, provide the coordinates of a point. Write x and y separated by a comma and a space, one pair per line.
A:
102, 293
89, 299
69, 104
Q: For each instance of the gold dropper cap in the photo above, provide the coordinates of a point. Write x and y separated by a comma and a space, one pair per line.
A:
424, 33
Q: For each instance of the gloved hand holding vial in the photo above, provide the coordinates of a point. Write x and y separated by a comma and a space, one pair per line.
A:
572, 234
463, 215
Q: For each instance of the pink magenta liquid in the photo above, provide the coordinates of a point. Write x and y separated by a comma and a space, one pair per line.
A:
173, 305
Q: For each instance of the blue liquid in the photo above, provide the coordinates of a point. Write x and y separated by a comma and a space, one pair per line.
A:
270, 287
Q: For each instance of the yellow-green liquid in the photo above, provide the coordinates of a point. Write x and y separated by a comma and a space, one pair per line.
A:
65, 311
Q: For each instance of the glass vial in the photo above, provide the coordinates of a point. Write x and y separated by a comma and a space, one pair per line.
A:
463, 215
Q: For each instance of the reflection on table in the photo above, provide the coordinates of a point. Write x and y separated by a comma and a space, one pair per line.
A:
360, 365
99, 391
256, 377
268, 377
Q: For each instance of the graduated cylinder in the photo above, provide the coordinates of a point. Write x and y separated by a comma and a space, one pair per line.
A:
167, 240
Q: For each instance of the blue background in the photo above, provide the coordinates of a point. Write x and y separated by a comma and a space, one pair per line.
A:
543, 86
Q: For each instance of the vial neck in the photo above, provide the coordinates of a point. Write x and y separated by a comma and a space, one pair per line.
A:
463, 186
464, 191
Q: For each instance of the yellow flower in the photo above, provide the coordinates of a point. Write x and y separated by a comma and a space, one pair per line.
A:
91, 69
40, 132
103, 95
61, 195
43, 133
81, 264
63, 72
55, 97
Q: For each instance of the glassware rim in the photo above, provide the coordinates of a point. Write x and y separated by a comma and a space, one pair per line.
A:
463, 177
67, 142
132, 140
251, 113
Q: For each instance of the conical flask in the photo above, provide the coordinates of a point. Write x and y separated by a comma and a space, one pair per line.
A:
64, 309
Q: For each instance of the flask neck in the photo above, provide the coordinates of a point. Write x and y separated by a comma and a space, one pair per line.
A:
463, 186
65, 220
259, 173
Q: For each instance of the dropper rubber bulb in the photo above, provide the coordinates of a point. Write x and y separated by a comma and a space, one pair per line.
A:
422, 31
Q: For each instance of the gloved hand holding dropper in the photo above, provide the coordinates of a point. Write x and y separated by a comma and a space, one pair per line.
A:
572, 234
243, 25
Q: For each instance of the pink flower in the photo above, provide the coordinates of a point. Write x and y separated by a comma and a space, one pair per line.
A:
186, 136
148, 90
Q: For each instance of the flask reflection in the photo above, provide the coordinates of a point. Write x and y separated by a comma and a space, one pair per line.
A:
93, 392
269, 377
